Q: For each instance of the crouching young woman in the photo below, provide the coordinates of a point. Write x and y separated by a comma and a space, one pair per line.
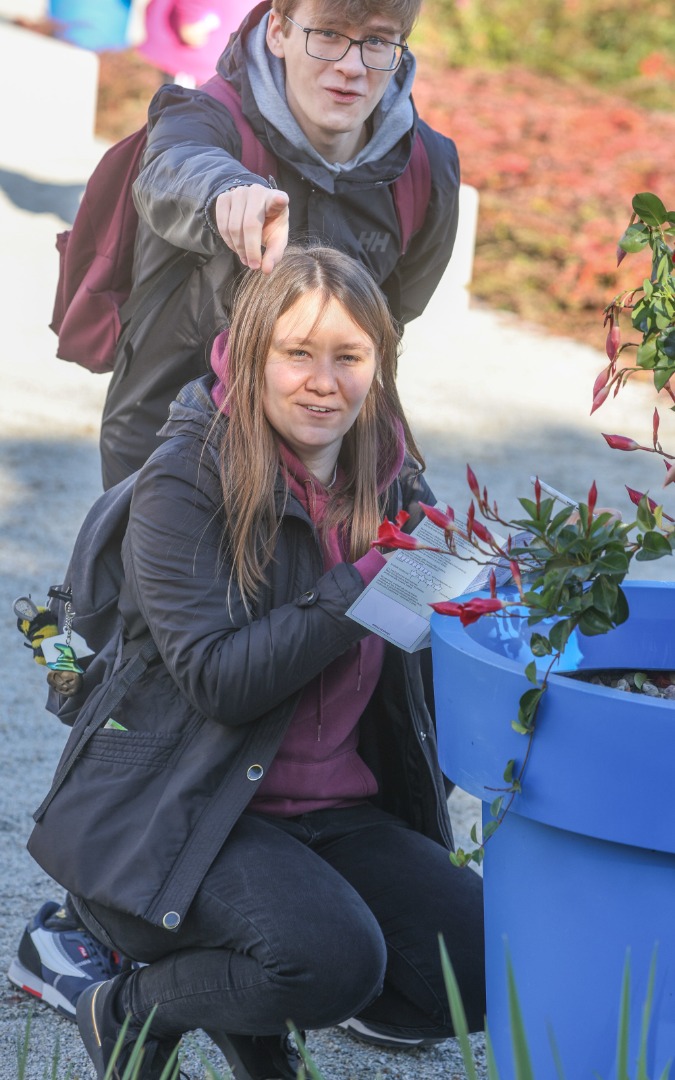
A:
268, 829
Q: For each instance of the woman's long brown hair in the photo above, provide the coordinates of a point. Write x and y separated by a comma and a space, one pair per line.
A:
249, 457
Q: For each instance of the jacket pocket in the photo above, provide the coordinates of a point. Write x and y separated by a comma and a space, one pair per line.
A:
132, 748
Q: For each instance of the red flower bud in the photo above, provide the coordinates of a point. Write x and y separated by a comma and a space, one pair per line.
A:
401, 518
388, 535
447, 607
482, 533
493, 584
600, 398
537, 494
602, 380
515, 574
620, 255
592, 498
470, 520
444, 521
655, 428
471, 611
636, 496
670, 474
473, 483
621, 442
613, 342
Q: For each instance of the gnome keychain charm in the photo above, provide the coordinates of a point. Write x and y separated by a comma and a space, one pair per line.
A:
65, 675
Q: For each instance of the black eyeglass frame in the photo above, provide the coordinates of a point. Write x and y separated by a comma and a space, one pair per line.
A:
307, 30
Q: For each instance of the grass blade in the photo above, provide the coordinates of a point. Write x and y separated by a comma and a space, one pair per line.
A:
624, 1024
521, 1054
22, 1047
457, 1012
492, 1071
309, 1067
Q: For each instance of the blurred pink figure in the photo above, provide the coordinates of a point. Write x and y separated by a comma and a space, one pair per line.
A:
184, 38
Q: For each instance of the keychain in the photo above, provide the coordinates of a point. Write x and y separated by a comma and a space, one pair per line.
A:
60, 652
36, 624
65, 674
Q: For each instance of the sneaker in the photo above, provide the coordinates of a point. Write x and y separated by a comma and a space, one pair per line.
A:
366, 1033
261, 1057
58, 959
100, 1029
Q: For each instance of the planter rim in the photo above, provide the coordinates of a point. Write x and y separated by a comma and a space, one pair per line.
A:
601, 763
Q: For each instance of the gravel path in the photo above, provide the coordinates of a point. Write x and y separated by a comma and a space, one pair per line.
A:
479, 388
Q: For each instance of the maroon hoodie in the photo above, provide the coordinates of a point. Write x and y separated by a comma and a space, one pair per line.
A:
318, 763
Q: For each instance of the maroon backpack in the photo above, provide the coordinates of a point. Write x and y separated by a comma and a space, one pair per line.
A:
96, 255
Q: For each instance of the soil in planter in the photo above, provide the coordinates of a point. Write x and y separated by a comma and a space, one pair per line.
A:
658, 684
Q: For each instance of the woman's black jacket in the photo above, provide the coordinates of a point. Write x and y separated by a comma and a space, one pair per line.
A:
160, 789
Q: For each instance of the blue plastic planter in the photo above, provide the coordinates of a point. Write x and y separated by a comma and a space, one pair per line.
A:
92, 24
583, 867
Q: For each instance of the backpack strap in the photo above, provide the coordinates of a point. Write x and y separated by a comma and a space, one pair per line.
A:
412, 192
254, 156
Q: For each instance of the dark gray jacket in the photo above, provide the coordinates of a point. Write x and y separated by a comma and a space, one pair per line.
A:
148, 805
193, 155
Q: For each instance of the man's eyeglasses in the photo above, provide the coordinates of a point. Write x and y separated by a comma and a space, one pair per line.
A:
376, 52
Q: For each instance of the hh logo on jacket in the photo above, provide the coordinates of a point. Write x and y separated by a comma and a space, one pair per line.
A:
374, 241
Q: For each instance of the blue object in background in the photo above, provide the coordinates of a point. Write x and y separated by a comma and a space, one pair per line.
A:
96, 25
582, 870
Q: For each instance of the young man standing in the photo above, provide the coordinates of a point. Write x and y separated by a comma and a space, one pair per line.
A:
326, 89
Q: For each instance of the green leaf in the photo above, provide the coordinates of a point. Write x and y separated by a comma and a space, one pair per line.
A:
531, 672
621, 612
613, 562
508, 771
640, 678
605, 593
646, 354
489, 828
496, 806
594, 622
520, 729
560, 634
540, 646
529, 702
654, 546
667, 344
634, 239
662, 373
459, 858
645, 518
649, 208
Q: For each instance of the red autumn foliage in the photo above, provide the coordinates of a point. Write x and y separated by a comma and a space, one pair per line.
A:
555, 165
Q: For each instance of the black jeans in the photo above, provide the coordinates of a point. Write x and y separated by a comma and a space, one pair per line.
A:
315, 919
